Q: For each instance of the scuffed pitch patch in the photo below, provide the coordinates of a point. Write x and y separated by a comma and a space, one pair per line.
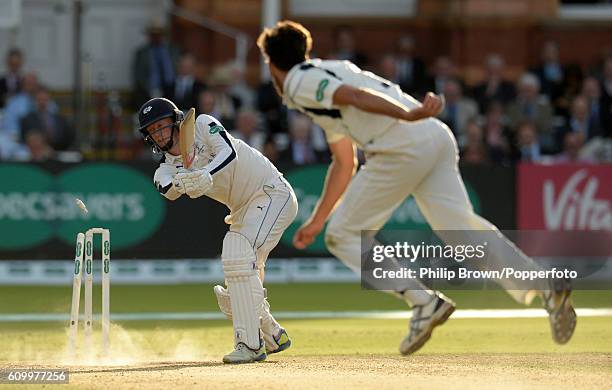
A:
480, 371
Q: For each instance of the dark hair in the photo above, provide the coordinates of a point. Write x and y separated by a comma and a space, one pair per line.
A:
286, 44
14, 51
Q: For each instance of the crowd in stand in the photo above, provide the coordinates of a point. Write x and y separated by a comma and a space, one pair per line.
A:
31, 126
553, 112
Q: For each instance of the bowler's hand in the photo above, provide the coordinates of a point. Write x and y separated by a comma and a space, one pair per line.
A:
431, 106
306, 234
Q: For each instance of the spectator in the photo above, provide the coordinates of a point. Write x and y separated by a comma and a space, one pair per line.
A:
10, 83
388, 68
207, 103
272, 109
300, 150
572, 143
247, 129
444, 70
226, 104
411, 73
210, 105
572, 83
579, 121
550, 72
270, 150
153, 69
187, 87
458, 109
474, 150
606, 101
17, 107
239, 87
530, 106
497, 135
528, 144
599, 149
345, 48
591, 91
494, 87
45, 119
39, 149
596, 69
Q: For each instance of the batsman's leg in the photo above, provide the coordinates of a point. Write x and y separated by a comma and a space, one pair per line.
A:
246, 292
265, 220
274, 335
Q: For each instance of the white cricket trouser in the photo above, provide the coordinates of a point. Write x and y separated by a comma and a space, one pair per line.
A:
419, 159
269, 212
263, 221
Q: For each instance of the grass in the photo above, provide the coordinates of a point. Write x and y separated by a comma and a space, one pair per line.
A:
194, 340
283, 297
204, 339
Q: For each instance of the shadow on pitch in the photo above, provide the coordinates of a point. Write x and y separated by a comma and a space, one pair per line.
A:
162, 366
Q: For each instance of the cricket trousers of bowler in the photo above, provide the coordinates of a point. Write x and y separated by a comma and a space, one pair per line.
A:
418, 159
263, 221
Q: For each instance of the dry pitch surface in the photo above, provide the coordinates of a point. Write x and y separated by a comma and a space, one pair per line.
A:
326, 353
478, 353
526, 371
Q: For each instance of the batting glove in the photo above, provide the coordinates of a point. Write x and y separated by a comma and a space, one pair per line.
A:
178, 186
195, 183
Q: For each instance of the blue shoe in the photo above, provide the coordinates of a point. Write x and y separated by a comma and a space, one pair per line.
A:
282, 342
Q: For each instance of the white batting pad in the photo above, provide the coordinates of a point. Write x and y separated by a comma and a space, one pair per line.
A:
269, 325
245, 288
223, 299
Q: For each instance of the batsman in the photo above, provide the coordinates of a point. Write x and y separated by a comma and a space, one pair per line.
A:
201, 158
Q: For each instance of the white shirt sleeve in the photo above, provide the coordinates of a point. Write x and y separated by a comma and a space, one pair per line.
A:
163, 181
313, 88
216, 137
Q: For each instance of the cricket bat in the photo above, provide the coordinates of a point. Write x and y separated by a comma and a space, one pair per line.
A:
187, 138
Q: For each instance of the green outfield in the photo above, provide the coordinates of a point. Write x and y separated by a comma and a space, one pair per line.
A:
177, 347
283, 297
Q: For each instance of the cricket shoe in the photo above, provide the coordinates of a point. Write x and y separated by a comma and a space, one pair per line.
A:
278, 343
243, 354
274, 344
561, 313
424, 319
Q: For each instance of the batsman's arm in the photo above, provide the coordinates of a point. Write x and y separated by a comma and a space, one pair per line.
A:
339, 174
164, 183
214, 134
377, 103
